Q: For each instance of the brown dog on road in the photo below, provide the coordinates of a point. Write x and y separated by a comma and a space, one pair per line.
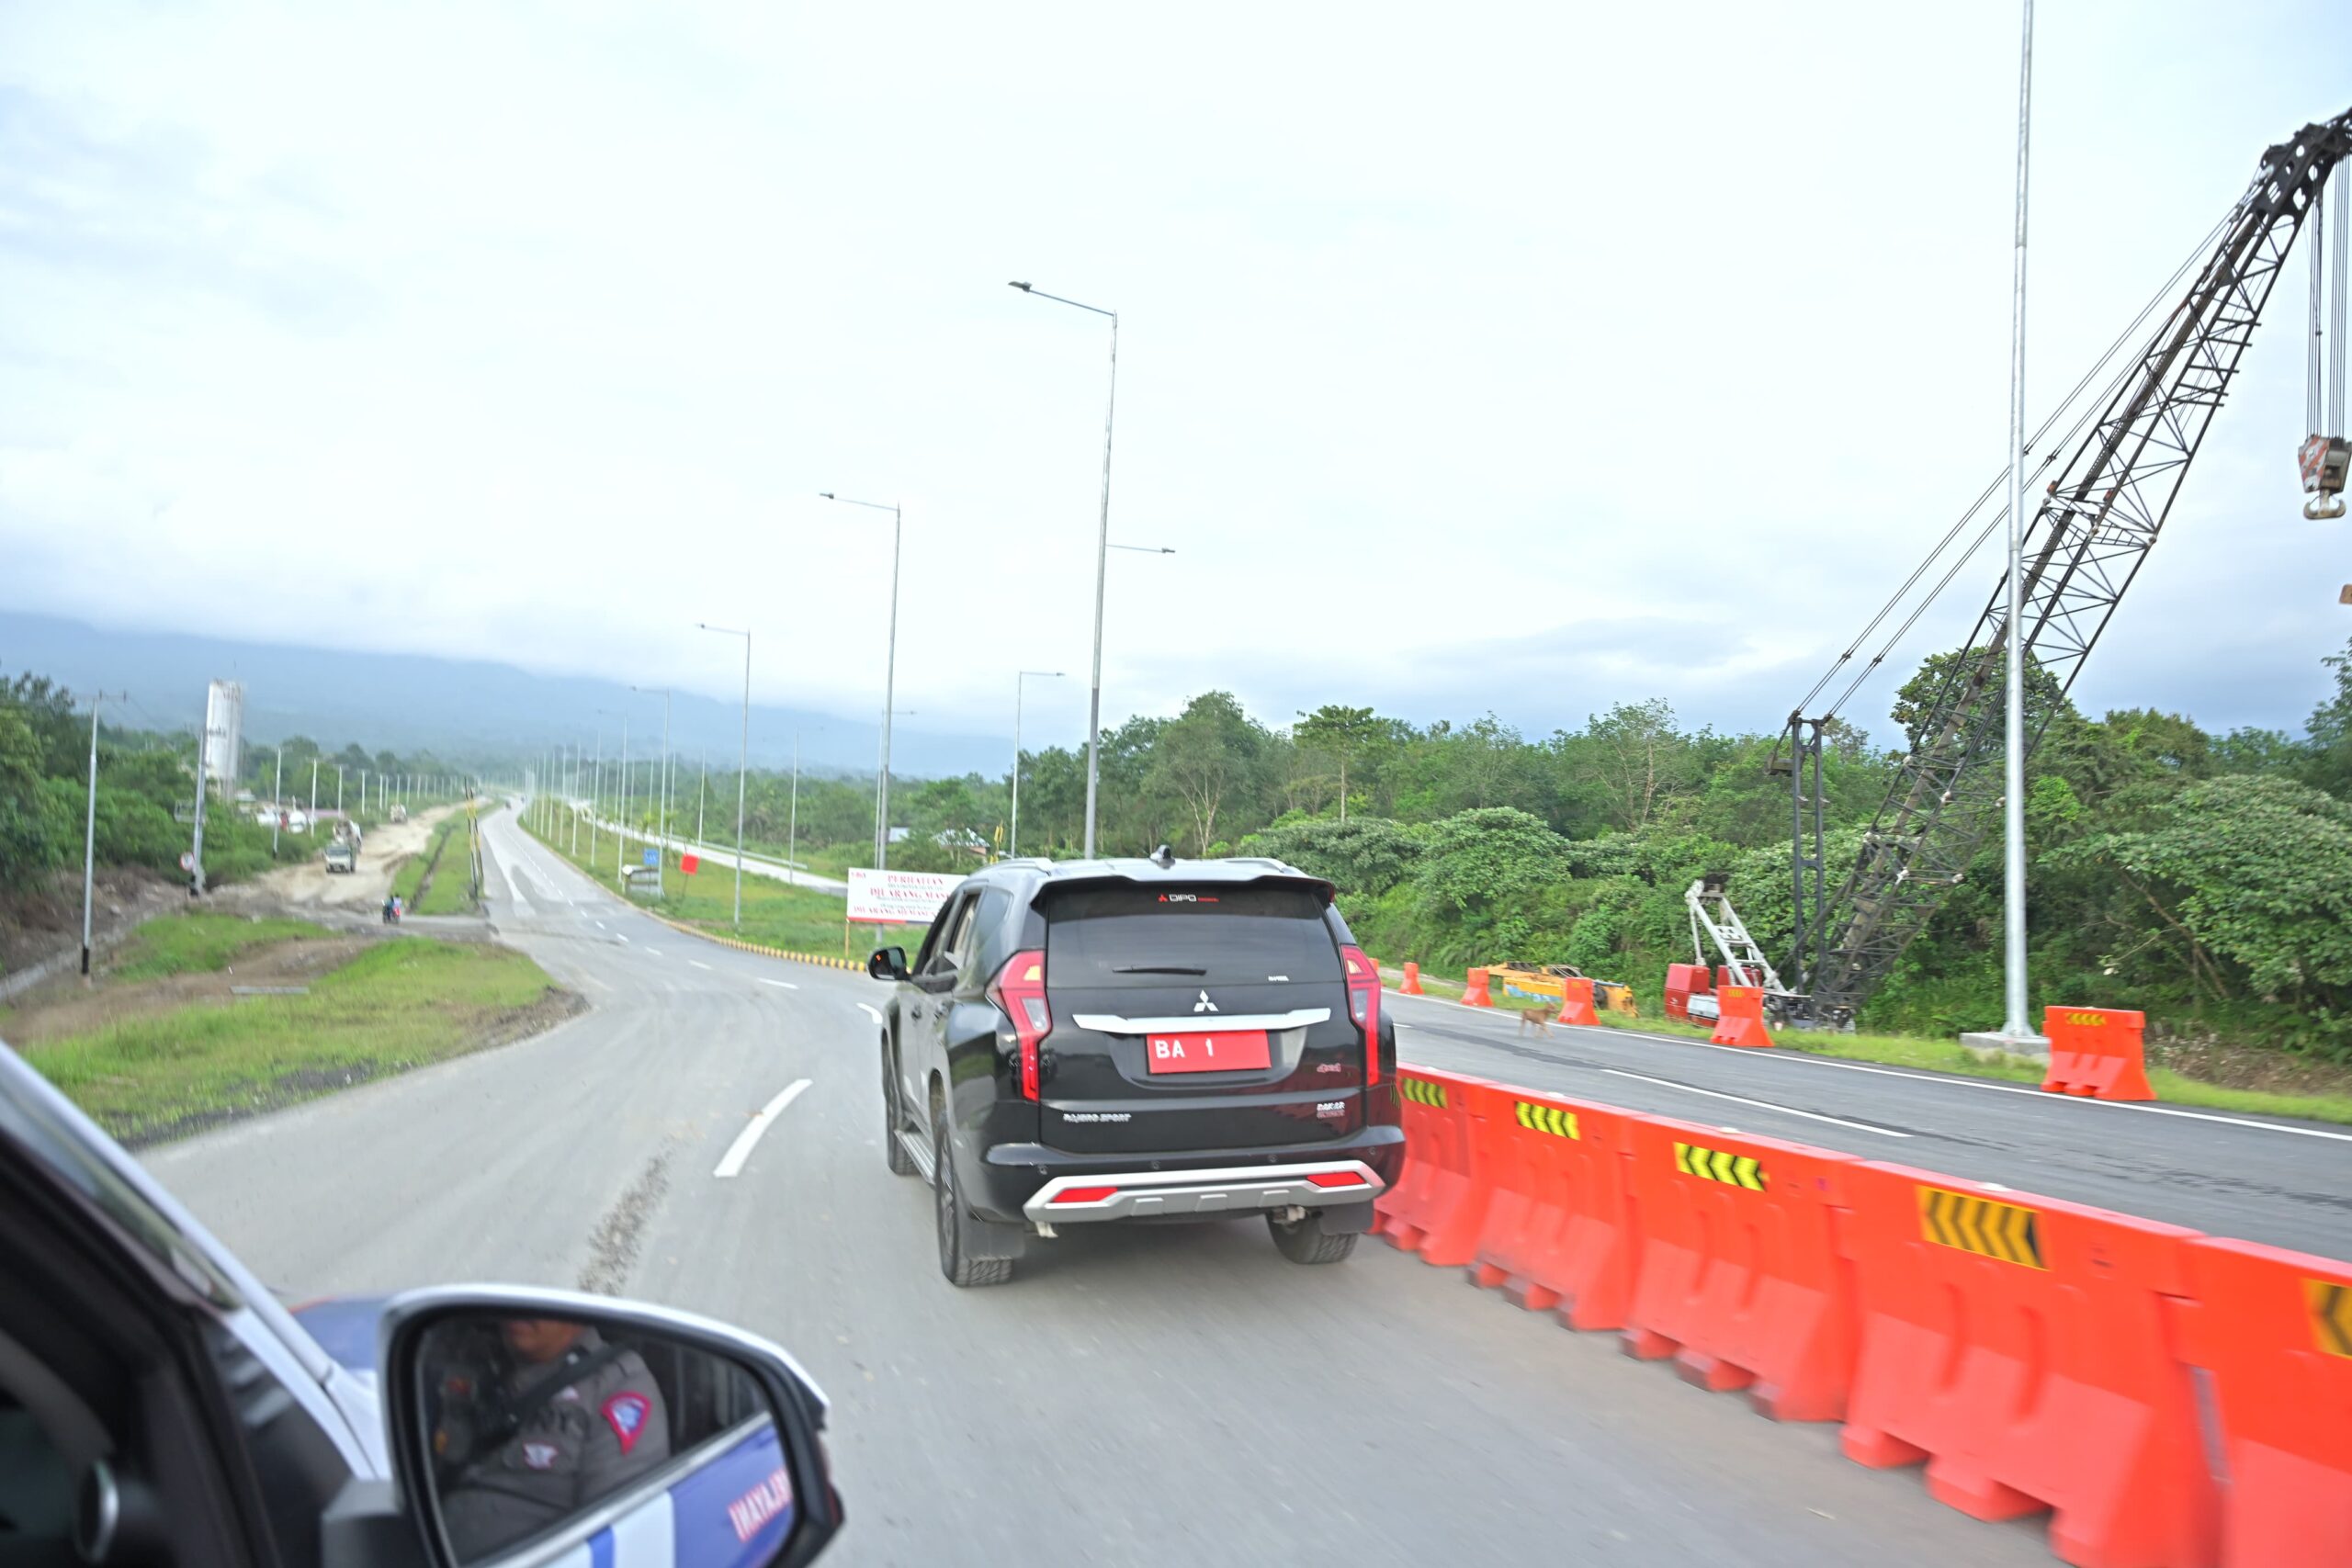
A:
1535, 1016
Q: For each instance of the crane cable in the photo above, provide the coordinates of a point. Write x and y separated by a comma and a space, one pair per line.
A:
2166, 292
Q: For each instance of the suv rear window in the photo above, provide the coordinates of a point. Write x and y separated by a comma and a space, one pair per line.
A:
1134, 937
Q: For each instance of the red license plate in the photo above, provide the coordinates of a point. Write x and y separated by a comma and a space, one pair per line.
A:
1232, 1051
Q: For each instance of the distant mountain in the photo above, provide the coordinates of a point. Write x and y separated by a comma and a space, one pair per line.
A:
465, 711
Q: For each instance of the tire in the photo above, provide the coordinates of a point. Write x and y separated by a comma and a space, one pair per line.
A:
893, 1148
1305, 1241
947, 1207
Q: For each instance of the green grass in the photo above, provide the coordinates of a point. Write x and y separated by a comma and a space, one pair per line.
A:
196, 944
1950, 1056
399, 1004
774, 915
446, 861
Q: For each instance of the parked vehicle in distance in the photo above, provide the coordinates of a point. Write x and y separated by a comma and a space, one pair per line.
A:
400, 813
342, 856
1138, 1040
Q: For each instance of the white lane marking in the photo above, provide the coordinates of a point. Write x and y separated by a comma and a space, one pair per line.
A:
655, 952
748, 1139
697, 964
781, 985
1950, 1081
618, 936
870, 1010
600, 925
1760, 1104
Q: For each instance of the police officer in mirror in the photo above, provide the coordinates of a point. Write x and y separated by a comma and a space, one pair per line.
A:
537, 1424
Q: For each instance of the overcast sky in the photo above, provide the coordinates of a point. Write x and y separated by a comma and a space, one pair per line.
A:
1512, 357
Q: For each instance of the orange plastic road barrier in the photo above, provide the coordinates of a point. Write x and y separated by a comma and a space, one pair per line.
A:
2095, 1052
1739, 1277
2274, 1328
2019, 1344
1558, 1233
1740, 1017
1412, 986
1575, 1003
1476, 995
1439, 1200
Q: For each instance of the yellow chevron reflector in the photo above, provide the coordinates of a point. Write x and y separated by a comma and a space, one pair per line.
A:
1720, 1165
2009, 1232
1552, 1118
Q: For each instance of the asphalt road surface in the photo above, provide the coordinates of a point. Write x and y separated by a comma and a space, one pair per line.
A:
1156, 1396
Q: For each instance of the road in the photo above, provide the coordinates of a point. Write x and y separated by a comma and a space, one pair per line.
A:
1171, 1396
722, 858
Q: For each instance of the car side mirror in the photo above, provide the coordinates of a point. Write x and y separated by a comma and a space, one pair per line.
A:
887, 963
532, 1425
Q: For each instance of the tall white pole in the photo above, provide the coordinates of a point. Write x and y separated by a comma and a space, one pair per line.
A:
2016, 1025
792, 822
1102, 566
1012, 841
620, 817
277, 795
90, 840
742, 772
595, 795
889, 702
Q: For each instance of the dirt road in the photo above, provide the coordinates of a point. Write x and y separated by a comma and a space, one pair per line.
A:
311, 886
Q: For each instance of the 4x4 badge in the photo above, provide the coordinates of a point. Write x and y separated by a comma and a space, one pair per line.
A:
1204, 1005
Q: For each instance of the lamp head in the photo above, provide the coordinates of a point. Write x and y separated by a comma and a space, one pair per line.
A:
1022, 287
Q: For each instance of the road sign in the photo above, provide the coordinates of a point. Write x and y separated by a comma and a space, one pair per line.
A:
899, 898
653, 857
689, 864
187, 859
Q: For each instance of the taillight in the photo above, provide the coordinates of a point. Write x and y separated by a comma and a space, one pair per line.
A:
1336, 1179
1019, 992
1084, 1194
1364, 1006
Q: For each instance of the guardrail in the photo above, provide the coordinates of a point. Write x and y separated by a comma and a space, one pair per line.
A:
2171, 1398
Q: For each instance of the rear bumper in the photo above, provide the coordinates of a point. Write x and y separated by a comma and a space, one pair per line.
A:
1012, 1177
1159, 1194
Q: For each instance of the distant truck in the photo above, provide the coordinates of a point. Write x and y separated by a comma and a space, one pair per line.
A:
342, 856
400, 813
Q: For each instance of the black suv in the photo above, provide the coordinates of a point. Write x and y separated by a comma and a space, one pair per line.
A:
1138, 1040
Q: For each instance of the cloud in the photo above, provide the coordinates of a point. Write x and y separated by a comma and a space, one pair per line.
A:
1528, 359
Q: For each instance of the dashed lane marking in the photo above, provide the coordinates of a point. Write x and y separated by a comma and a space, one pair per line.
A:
749, 1138
697, 963
788, 985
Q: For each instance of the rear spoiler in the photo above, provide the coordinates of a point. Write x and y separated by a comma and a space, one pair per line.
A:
1284, 877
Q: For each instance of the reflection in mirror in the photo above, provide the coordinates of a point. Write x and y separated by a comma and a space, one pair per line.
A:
540, 1422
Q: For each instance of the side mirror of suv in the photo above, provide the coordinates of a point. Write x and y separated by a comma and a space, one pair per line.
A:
887, 963
547, 1426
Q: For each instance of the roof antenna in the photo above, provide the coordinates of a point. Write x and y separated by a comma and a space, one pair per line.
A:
1163, 857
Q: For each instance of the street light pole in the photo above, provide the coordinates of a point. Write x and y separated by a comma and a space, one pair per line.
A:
276, 801
2016, 1025
661, 782
90, 835
743, 759
1013, 847
792, 822
890, 679
1102, 559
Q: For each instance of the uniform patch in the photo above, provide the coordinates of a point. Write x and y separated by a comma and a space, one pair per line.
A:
540, 1456
626, 1414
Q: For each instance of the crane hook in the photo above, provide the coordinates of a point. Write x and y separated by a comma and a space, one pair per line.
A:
2322, 508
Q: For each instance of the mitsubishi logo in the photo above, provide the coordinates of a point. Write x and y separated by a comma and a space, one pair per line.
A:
1204, 1005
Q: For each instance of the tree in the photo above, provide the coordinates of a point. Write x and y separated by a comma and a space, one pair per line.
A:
1366, 856
27, 847
1628, 751
1339, 732
1203, 757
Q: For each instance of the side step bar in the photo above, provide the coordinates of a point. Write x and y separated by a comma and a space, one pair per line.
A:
918, 1150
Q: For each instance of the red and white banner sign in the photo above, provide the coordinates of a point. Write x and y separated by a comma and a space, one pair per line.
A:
899, 898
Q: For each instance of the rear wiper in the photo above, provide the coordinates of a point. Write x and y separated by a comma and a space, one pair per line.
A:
1157, 969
